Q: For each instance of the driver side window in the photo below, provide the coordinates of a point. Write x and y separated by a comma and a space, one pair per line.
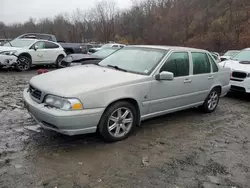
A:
178, 64
40, 45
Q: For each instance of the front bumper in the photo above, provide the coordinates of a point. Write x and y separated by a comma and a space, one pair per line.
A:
7, 60
242, 86
64, 122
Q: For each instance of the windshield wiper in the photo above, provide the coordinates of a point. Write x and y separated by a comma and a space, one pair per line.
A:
117, 68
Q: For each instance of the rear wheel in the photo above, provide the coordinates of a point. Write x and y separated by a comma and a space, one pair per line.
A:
23, 63
212, 101
118, 121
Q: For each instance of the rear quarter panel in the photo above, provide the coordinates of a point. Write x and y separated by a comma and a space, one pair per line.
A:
222, 78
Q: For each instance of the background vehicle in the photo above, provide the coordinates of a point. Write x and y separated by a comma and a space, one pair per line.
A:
229, 54
109, 45
73, 48
240, 67
216, 56
113, 45
41, 36
131, 85
87, 58
27, 52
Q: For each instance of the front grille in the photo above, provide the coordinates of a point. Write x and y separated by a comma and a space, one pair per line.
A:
236, 74
237, 88
35, 93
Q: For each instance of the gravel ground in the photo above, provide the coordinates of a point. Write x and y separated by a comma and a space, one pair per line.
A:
184, 149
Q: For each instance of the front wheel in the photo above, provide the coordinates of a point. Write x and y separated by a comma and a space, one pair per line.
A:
23, 63
212, 101
118, 121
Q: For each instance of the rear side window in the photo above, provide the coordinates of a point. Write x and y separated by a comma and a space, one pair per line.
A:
201, 63
214, 66
115, 46
178, 64
50, 45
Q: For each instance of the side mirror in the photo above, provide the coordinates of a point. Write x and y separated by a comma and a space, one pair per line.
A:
36, 47
164, 76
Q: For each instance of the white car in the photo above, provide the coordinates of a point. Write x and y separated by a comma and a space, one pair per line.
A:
24, 53
229, 54
240, 67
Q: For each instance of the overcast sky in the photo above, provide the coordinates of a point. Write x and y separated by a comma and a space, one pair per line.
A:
13, 11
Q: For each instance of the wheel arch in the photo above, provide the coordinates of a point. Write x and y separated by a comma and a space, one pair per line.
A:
26, 54
133, 102
219, 87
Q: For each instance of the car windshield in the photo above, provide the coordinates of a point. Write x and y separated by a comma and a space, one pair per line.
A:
104, 52
135, 60
231, 53
244, 55
20, 43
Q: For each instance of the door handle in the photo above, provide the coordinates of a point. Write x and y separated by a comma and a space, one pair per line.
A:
210, 77
187, 81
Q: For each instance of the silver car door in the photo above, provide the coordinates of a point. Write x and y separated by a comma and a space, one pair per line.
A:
202, 76
167, 95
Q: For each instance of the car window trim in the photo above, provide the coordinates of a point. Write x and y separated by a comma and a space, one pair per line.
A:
212, 62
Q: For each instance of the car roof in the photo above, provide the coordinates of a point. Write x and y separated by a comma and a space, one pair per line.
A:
35, 40
246, 49
44, 34
167, 47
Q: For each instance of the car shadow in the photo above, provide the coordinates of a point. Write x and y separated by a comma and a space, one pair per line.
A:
239, 96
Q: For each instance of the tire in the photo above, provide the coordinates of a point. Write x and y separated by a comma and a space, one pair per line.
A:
23, 63
59, 60
211, 101
113, 127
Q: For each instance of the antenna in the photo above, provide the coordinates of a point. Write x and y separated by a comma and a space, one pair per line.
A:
6, 38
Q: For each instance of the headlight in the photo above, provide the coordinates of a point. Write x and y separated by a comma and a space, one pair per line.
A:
63, 103
8, 52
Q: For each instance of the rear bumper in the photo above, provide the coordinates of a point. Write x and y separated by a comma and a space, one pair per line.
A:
243, 86
65, 122
7, 60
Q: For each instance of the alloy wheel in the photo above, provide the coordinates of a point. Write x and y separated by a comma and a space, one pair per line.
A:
23, 63
120, 122
213, 100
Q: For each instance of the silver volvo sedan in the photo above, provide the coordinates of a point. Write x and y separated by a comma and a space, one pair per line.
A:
134, 84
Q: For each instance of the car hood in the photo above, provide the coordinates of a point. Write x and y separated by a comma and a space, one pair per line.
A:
237, 65
72, 81
8, 48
